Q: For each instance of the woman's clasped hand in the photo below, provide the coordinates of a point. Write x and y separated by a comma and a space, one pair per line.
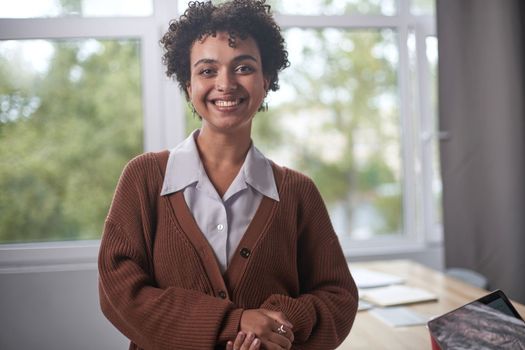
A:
271, 327
261, 327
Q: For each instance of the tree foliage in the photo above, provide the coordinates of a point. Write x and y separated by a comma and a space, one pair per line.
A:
65, 135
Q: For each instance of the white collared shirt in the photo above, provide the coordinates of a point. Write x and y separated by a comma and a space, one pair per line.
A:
223, 221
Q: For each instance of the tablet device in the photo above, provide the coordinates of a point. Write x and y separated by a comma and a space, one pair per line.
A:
490, 322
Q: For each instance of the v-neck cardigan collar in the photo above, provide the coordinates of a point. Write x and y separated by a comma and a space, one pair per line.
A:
223, 284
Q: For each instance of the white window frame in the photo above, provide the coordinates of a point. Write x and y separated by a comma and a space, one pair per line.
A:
164, 120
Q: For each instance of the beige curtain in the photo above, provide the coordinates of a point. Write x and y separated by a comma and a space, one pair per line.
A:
481, 106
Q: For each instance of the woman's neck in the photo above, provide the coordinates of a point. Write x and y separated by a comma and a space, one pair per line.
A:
222, 156
221, 150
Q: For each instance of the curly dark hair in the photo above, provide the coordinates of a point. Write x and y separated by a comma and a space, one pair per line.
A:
240, 19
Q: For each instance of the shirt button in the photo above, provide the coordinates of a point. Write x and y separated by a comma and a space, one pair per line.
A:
245, 253
220, 227
222, 294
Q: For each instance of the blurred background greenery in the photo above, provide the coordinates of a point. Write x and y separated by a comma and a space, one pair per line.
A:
68, 124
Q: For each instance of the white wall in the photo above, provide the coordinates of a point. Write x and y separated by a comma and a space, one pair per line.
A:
54, 311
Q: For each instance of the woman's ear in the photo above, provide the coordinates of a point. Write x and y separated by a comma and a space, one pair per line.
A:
188, 90
266, 83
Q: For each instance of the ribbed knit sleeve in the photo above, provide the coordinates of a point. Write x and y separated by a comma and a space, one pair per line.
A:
324, 310
153, 317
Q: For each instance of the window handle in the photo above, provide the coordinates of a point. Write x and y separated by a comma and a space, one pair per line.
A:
441, 135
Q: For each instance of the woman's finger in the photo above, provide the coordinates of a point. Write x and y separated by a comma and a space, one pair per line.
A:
280, 340
256, 345
239, 340
283, 330
244, 341
248, 341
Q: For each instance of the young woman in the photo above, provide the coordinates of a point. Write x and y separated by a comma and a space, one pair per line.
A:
211, 245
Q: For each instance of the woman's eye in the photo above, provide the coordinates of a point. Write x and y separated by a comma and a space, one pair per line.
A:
244, 69
206, 72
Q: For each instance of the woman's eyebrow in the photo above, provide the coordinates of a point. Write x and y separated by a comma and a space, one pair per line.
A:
204, 61
213, 61
244, 57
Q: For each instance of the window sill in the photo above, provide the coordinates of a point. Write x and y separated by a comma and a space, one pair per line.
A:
82, 255
430, 254
46, 257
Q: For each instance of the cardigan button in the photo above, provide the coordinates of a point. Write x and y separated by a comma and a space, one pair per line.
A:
222, 294
245, 253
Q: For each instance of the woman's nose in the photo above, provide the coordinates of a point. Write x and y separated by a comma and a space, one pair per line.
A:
225, 82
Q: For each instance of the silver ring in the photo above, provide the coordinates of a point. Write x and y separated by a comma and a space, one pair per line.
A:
281, 330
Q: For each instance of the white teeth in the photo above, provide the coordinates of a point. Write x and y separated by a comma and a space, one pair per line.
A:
222, 103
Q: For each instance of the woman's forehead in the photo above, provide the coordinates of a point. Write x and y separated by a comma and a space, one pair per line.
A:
218, 46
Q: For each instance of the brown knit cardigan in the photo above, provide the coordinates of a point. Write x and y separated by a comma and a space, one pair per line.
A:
162, 287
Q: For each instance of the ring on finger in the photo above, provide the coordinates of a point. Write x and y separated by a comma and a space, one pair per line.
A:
281, 330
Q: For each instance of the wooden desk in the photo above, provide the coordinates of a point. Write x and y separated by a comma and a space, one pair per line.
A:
370, 333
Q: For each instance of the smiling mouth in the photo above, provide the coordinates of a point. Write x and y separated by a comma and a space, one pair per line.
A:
228, 103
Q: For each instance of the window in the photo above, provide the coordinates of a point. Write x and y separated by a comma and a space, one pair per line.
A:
81, 92
81, 81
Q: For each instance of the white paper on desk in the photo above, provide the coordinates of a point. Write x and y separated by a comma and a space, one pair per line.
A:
396, 295
399, 316
365, 278
364, 305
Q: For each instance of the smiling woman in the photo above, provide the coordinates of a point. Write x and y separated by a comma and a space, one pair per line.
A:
240, 248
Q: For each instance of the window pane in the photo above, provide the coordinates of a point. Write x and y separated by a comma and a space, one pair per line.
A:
326, 7
84, 8
423, 7
336, 119
70, 118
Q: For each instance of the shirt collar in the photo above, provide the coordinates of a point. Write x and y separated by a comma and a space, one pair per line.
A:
185, 168
258, 173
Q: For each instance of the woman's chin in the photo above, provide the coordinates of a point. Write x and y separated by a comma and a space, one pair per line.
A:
227, 123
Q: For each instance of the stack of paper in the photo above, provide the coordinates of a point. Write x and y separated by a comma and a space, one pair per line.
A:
365, 278
396, 295
399, 316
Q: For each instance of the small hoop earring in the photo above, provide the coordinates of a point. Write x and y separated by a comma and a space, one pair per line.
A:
264, 107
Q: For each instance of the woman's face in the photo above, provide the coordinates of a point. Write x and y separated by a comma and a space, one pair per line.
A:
227, 84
